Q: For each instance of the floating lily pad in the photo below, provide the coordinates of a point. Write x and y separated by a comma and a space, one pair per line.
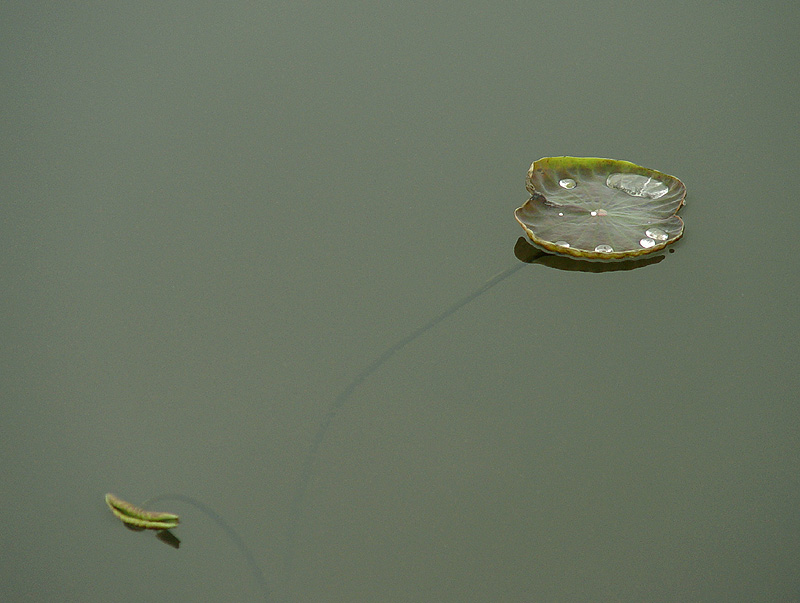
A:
600, 209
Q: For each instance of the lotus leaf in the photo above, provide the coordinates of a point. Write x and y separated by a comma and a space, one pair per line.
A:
600, 209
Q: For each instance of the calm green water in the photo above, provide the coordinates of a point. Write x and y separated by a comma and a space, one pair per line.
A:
215, 215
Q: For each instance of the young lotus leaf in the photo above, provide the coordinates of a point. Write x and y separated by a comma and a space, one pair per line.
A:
600, 209
137, 518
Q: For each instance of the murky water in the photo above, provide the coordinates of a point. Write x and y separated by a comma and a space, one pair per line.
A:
216, 218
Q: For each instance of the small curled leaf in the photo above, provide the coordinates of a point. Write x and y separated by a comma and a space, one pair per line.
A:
137, 517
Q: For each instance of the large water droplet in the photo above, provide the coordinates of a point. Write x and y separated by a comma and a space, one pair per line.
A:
567, 183
562, 243
647, 243
604, 249
657, 234
637, 185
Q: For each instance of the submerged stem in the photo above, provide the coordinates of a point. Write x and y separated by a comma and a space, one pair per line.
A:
296, 508
125, 510
255, 570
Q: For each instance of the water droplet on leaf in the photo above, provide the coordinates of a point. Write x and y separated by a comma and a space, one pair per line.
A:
657, 234
637, 185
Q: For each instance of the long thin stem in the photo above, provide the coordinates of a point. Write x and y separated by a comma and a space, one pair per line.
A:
298, 502
255, 570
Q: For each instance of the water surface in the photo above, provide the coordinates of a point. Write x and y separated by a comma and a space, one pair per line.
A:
215, 216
